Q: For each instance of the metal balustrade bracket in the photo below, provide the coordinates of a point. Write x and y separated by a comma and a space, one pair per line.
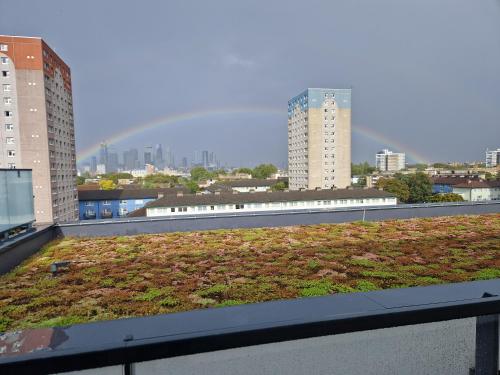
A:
487, 344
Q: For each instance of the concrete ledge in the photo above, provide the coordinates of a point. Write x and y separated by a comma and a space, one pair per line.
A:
15, 251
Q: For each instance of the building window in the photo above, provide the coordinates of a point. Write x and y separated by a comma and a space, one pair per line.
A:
5, 73
6, 88
139, 201
7, 101
240, 206
89, 213
9, 127
106, 203
123, 201
4, 60
10, 140
172, 209
11, 153
212, 208
4, 47
8, 113
88, 203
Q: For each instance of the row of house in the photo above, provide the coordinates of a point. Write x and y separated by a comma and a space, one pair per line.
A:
234, 202
471, 188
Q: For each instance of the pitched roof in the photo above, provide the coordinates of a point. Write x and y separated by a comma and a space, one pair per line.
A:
266, 197
476, 184
251, 182
95, 195
452, 180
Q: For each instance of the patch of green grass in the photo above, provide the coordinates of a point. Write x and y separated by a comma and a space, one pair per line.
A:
366, 286
427, 280
380, 274
107, 282
230, 302
313, 265
62, 321
153, 293
487, 274
215, 291
364, 263
313, 288
169, 302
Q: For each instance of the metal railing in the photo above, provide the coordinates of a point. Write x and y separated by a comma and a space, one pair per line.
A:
130, 342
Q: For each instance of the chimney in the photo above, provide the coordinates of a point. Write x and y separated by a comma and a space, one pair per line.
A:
180, 194
160, 195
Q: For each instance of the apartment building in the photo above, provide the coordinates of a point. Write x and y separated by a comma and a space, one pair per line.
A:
36, 129
492, 158
388, 161
319, 139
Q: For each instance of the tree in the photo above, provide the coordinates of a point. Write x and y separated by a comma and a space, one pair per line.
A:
279, 186
107, 185
440, 165
80, 180
396, 187
244, 170
200, 173
117, 176
362, 169
448, 197
264, 171
159, 180
191, 185
420, 186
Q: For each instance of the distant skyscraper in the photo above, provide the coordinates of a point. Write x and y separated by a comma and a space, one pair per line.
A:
205, 158
131, 159
319, 139
184, 162
103, 154
148, 155
158, 158
388, 161
93, 164
37, 128
112, 162
492, 158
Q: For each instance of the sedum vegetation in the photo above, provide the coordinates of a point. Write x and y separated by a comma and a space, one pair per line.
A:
117, 277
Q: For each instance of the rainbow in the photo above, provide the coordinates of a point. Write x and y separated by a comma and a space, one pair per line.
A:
390, 143
202, 114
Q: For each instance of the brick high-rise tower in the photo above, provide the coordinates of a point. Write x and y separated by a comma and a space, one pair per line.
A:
36, 126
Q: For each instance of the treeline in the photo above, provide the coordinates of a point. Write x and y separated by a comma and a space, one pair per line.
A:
414, 188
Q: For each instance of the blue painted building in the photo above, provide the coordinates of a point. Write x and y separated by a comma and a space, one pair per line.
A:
107, 204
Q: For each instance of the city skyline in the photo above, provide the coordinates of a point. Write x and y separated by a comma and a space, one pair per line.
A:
388, 103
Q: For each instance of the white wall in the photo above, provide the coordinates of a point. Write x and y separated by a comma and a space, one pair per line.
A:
478, 194
273, 206
247, 189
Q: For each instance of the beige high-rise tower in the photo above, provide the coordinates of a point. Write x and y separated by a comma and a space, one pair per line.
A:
319, 139
36, 128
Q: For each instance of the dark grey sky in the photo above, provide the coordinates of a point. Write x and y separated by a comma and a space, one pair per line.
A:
425, 74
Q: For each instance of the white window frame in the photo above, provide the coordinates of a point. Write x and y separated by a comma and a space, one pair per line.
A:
9, 127
4, 47
6, 87
7, 100
10, 140
4, 60
11, 153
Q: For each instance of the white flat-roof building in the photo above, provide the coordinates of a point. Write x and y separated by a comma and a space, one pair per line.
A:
388, 161
182, 204
492, 158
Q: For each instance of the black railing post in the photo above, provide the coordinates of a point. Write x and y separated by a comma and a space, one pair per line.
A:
487, 345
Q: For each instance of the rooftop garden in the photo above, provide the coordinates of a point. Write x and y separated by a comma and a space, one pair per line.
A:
117, 277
